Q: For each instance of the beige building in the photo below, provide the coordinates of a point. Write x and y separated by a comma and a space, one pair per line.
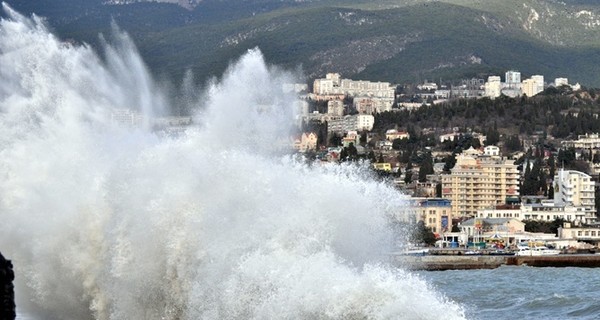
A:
479, 182
436, 213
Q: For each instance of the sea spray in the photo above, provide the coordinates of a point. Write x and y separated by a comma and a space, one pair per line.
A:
107, 222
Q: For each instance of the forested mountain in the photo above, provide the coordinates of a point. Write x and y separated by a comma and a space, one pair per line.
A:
397, 41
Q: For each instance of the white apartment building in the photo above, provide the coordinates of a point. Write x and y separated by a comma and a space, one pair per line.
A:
333, 84
575, 188
493, 87
479, 182
358, 122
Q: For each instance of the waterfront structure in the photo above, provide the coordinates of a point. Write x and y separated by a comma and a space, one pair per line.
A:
583, 234
357, 122
477, 182
333, 84
577, 189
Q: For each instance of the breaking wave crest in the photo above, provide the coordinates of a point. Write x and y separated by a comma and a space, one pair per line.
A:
107, 222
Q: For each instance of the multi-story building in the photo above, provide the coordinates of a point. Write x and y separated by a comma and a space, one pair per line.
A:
334, 85
513, 79
533, 86
369, 105
436, 213
585, 141
577, 189
357, 122
545, 210
493, 87
477, 182
335, 107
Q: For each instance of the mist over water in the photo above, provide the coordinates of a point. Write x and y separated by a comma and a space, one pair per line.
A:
106, 222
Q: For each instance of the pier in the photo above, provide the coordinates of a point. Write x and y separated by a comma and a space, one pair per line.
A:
469, 262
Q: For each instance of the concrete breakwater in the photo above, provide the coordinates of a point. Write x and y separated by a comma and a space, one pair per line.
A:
467, 262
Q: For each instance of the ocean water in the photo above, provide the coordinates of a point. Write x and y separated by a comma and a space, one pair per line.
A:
520, 292
105, 221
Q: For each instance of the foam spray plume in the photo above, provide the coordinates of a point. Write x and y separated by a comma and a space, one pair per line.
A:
106, 222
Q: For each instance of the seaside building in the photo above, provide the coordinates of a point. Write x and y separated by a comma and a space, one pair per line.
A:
477, 182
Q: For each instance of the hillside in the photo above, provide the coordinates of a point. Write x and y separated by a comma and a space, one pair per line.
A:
397, 41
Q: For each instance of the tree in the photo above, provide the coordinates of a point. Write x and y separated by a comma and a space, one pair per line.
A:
422, 234
426, 167
408, 173
335, 140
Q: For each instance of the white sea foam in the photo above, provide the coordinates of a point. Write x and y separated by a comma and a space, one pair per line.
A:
105, 222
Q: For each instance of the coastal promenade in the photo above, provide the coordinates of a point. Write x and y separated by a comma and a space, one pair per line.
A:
467, 262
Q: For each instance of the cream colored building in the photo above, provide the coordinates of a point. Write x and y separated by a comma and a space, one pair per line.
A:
479, 182
577, 189
533, 85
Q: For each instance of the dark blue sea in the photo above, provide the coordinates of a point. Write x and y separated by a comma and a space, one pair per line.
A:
519, 292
